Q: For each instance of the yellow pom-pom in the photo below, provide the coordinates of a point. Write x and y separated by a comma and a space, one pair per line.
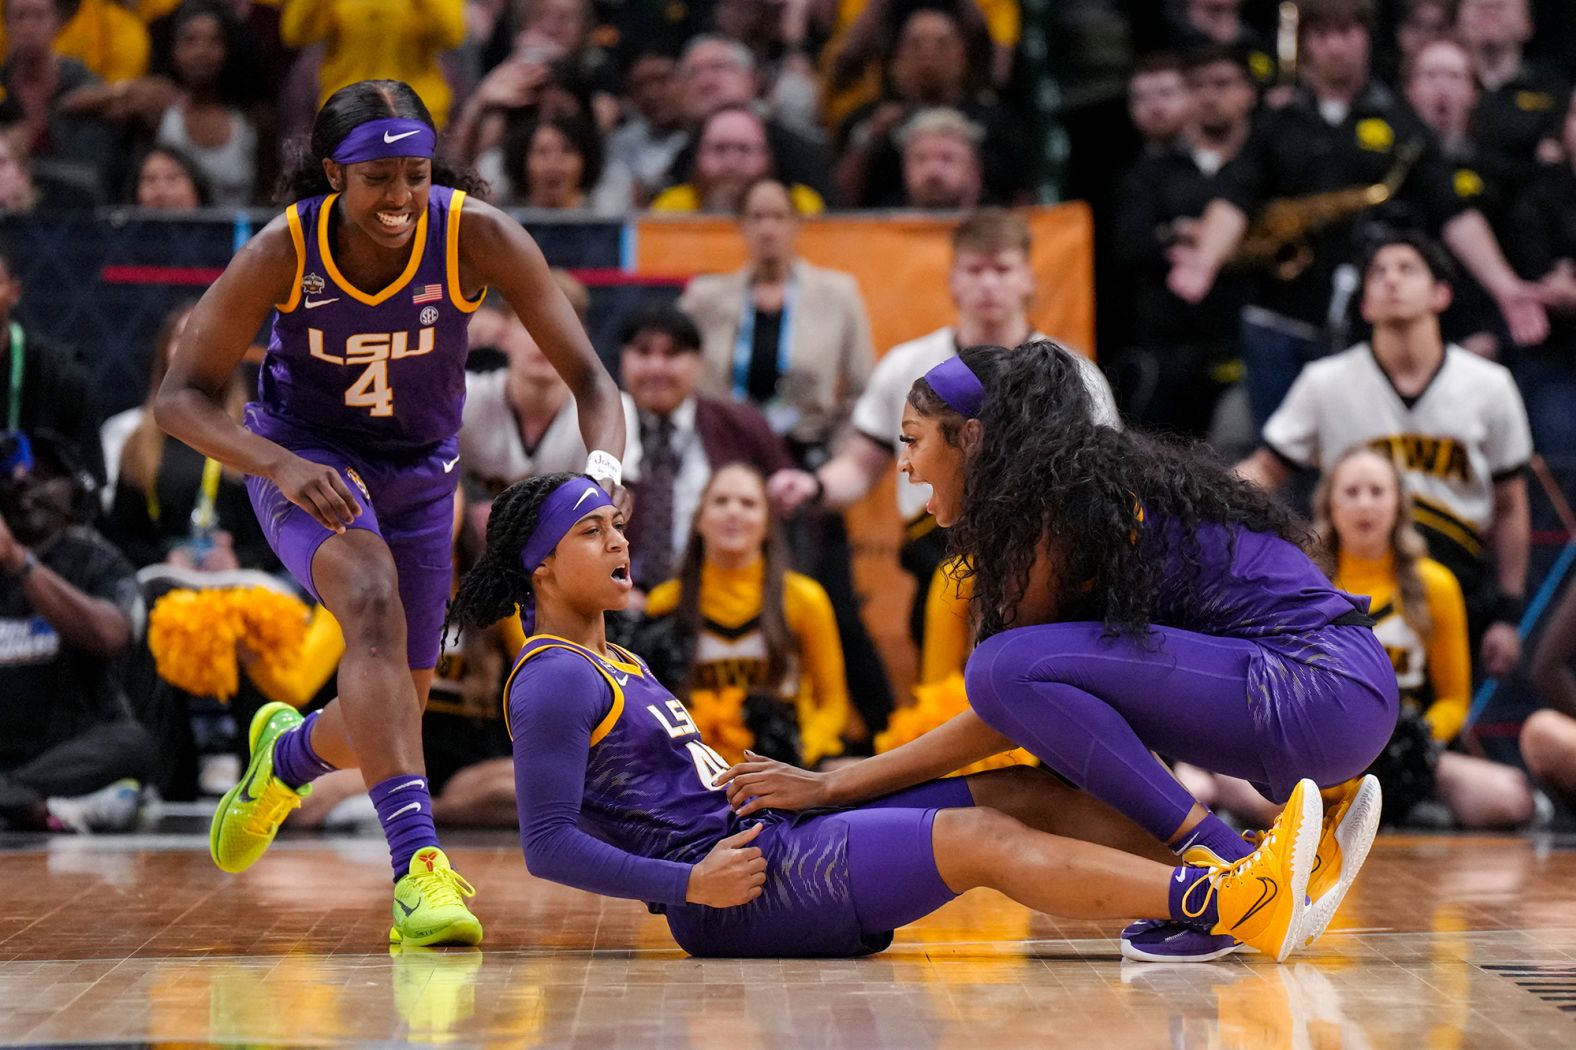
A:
193, 635
934, 704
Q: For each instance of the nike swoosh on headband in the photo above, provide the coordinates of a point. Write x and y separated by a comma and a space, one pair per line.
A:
402, 135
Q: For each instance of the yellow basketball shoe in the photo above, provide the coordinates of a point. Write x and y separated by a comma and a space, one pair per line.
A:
1351, 819
1260, 899
250, 813
428, 903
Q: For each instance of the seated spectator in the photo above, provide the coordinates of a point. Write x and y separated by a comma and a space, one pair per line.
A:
862, 34
50, 390
1541, 240
715, 73
62, 102
207, 120
941, 160
168, 180
929, 67
1454, 423
554, 163
1158, 101
677, 438
1548, 739
731, 152
642, 149
403, 42
742, 621
538, 51
519, 421
559, 94
1362, 516
71, 757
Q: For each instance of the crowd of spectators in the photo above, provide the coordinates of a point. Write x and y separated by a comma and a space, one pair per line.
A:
1358, 230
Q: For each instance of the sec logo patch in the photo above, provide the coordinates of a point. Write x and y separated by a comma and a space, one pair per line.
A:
429, 315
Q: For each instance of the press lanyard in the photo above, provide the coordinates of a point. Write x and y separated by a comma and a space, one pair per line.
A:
204, 512
744, 344
13, 416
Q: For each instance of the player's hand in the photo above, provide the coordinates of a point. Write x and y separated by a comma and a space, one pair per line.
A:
319, 490
623, 499
764, 783
789, 489
731, 874
1501, 649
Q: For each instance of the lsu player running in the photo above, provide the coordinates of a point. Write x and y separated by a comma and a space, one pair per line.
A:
1131, 596
619, 795
350, 452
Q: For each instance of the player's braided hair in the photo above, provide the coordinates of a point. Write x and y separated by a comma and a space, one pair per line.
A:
497, 583
1045, 473
347, 109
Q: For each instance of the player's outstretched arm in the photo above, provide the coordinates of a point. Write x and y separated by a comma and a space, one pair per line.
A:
762, 783
496, 251
189, 405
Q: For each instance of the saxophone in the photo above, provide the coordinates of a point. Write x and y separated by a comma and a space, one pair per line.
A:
1277, 238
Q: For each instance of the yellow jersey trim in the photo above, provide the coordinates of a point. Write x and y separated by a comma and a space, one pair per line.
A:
604, 727
452, 258
417, 249
297, 238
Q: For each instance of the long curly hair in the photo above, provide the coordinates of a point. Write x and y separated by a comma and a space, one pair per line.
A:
1406, 542
498, 582
1046, 476
347, 109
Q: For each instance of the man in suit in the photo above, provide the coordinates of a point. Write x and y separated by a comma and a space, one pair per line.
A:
677, 437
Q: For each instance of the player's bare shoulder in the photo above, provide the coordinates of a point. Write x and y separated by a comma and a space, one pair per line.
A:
268, 263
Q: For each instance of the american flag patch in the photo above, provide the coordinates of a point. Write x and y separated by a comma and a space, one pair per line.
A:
427, 293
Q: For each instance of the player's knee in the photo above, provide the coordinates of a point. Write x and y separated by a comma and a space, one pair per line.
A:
371, 605
1548, 744
995, 665
972, 844
1017, 789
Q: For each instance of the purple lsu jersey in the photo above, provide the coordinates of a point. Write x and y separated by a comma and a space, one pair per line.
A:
648, 776
378, 371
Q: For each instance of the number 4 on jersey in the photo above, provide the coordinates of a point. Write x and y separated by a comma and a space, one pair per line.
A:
372, 391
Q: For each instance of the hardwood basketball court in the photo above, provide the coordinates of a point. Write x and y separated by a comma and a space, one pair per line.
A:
1447, 941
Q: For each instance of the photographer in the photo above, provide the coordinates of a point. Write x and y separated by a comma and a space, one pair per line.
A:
70, 753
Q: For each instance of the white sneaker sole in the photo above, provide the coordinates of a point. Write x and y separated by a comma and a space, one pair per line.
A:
1355, 834
1129, 951
1304, 847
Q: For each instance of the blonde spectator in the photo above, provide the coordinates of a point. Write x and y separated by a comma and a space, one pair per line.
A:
941, 160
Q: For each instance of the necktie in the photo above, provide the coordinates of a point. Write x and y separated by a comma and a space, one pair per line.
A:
654, 507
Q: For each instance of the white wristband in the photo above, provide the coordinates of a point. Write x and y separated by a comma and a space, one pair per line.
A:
601, 464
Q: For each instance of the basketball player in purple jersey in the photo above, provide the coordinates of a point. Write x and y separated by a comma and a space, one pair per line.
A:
618, 793
350, 452
1130, 595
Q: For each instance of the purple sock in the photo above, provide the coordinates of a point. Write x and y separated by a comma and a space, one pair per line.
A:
294, 760
1215, 835
1190, 897
405, 811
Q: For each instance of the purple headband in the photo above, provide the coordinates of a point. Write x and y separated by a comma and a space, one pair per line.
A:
564, 506
390, 137
956, 384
